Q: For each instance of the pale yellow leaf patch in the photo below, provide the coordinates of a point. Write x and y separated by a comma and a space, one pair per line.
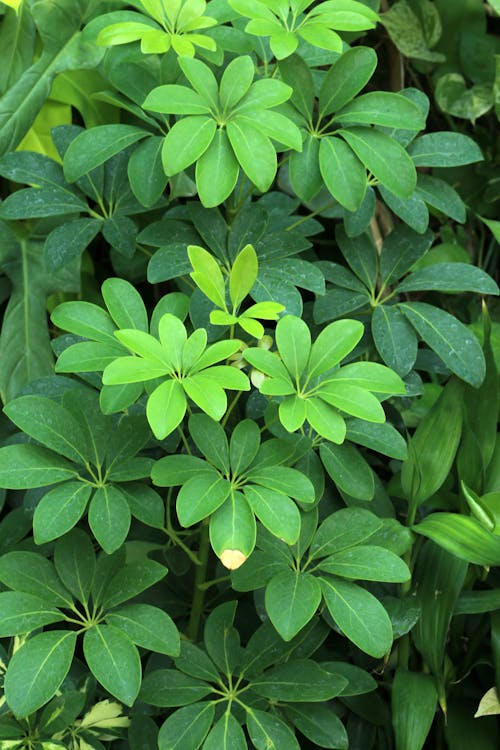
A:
232, 558
489, 704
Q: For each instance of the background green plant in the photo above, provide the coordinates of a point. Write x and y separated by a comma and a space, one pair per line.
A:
249, 356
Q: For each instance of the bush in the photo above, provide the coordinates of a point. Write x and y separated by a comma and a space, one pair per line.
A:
250, 470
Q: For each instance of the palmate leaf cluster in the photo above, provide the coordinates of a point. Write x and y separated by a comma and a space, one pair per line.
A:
249, 352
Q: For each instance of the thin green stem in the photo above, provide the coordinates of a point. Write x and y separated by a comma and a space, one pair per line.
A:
199, 579
231, 407
311, 215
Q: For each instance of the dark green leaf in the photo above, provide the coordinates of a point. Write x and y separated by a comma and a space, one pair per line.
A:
109, 517
59, 510
74, 558
300, 680
187, 728
93, 147
23, 613
168, 687
148, 627
114, 661
292, 599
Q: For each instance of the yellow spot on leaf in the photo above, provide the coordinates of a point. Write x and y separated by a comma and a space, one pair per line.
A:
232, 558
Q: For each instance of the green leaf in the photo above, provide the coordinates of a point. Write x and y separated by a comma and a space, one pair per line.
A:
351, 400
68, 241
325, 420
299, 680
198, 74
169, 687
439, 194
359, 615
211, 440
187, 728
304, 172
284, 480
275, 511
292, 599
50, 424
176, 100
31, 573
243, 275
394, 338
114, 661
369, 375
449, 277
145, 171
217, 171
276, 126
74, 558
264, 94
171, 471
59, 510
293, 340
342, 172
244, 445
367, 563
411, 727
22, 613
332, 345
235, 82
26, 465
85, 319
447, 149
462, 536
130, 580
207, 275
221, 638
254, 152
455, 344
378, 152
349, 470
195, 662
402, 248
344, 529
383, 438
346, 77
109, 517
148, 627
125, 304
233, 531
226, 734
37, 670
361, 255
319, 723
295, 72
268, 731
93, 147
186, 141
166, 408
48, 201
200, 496
382, 108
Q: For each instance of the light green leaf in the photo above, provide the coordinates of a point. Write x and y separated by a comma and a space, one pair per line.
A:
125, 304
186, 141
346, 77
207, 275
285, 480
276, 512
292, 410
166, 408
243, 446
233, 531
382, 108
293, 340
370, 375
254, 151
176, 100
332, 345
342, 172
462, 536
352, 400
217, 171
325, 420
114, 661
235, 82
243, 275
200, 496
211, 440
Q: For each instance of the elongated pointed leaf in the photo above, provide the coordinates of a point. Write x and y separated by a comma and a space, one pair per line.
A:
187, 728
368, 563
302, 680
93, 147
411, 689
276, 512
254, 153
26, 465
23, 613
267, 731
346, 77
349, 470
462, 536
343, 173
187, 140
59, 510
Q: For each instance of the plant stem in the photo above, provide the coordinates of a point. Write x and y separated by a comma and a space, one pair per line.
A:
199, 580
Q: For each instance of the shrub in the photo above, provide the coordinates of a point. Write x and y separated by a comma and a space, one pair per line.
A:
249, 458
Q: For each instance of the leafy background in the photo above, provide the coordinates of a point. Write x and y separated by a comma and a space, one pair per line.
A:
249, 462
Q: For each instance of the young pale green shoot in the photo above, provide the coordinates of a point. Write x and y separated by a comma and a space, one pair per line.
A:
208, 276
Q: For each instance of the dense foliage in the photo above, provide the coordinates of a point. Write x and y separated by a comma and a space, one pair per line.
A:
249, 462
